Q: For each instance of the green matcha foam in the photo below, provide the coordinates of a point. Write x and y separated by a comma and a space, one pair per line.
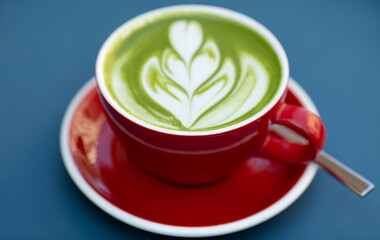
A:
192, 71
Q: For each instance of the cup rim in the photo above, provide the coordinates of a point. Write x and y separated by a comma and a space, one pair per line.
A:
219, 11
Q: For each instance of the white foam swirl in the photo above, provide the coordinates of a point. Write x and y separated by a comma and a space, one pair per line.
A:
199, 88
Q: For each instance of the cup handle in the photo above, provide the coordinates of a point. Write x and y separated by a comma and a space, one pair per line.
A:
302, 122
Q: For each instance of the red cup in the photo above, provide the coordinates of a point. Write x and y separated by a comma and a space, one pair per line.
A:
194, 158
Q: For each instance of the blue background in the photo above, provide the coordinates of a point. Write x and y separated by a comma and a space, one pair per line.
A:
48, 51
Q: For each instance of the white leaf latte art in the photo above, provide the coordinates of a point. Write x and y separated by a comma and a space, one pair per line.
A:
201, 79
188, 83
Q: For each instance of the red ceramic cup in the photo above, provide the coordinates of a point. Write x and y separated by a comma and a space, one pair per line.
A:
193, 158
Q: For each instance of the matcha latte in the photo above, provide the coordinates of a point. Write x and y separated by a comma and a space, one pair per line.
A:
191, 71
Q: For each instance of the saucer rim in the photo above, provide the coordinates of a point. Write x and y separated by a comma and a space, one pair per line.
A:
171, 230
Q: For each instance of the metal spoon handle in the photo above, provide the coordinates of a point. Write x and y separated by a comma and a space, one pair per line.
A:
344, 174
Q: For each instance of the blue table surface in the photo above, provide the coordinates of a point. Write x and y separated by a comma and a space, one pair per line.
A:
48, 51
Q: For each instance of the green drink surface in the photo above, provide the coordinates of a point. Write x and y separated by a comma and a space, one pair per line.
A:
191, 71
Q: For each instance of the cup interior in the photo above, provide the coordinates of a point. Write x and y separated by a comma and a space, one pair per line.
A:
145, 18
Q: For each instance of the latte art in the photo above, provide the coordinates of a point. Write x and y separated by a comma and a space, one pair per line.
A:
189, 79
